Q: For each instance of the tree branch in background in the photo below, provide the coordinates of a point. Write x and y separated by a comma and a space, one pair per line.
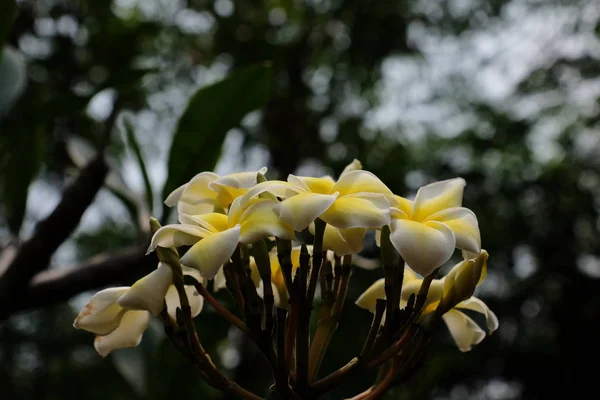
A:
34, 255
58, 285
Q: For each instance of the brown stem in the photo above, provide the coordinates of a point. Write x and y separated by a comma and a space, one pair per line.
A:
302, 328
396, 347
383, 387
379, 310
225, 313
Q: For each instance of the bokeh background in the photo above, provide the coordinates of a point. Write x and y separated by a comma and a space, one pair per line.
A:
503, 93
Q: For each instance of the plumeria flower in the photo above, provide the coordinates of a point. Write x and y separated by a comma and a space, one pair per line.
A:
427, 230
208, 190
465, 332
214, 236
356, 202
120, 316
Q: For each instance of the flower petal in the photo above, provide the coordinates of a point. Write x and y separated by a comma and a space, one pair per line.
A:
219, 281
197, 190
214, 222
465, 332
434, 294
360, 181
261, 220
424, 247
196, 301
176, 235
479, 306
149, 292
210, 253
321, 185
437, 196
300, 210
401, 206
463, 223
354, 238
334, 241
368, 300
128, 334
353, 166
359, 210
102, 315
278, 188
173, 198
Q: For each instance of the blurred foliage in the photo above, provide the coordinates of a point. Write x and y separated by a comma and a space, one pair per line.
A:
529, 152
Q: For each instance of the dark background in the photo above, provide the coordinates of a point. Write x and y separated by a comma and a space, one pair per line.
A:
504, 94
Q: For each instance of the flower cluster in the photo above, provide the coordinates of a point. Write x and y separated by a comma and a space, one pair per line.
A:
242, 226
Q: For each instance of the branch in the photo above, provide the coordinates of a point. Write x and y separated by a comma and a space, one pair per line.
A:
58, 285
34, 255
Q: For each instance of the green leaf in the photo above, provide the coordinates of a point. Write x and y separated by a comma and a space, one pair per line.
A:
211, 113
135, 147
20, 159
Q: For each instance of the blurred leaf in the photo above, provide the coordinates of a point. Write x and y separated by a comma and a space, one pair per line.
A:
135, 147
211, 112
12, 78
20, 159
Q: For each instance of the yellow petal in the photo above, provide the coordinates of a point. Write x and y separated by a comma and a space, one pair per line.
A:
102, 315
321, 185
214, 222
197, 190
465, 332
424, 247
149, 292
368, 299
261, 220
434, 294
300, 210
360, 210
354, 238
360, 181
463, 223
210, 253
176, 235
128, 334
333, 240
280, 189
401, 204
353, 166
232, 186
479, 306
436, 197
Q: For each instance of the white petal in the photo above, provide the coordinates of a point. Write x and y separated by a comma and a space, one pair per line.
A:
368, 300
353, 166
128, 334
479, 306
463, 223
219, 281
176, 235
241, 180
213, 222
261, 220
210, 253
193, 209
360, 181
425, 246
437, 196
359, 210
465, 332
300, 210
354, 238
102, 315
149, 292
175, 195
198, 191
277, 188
